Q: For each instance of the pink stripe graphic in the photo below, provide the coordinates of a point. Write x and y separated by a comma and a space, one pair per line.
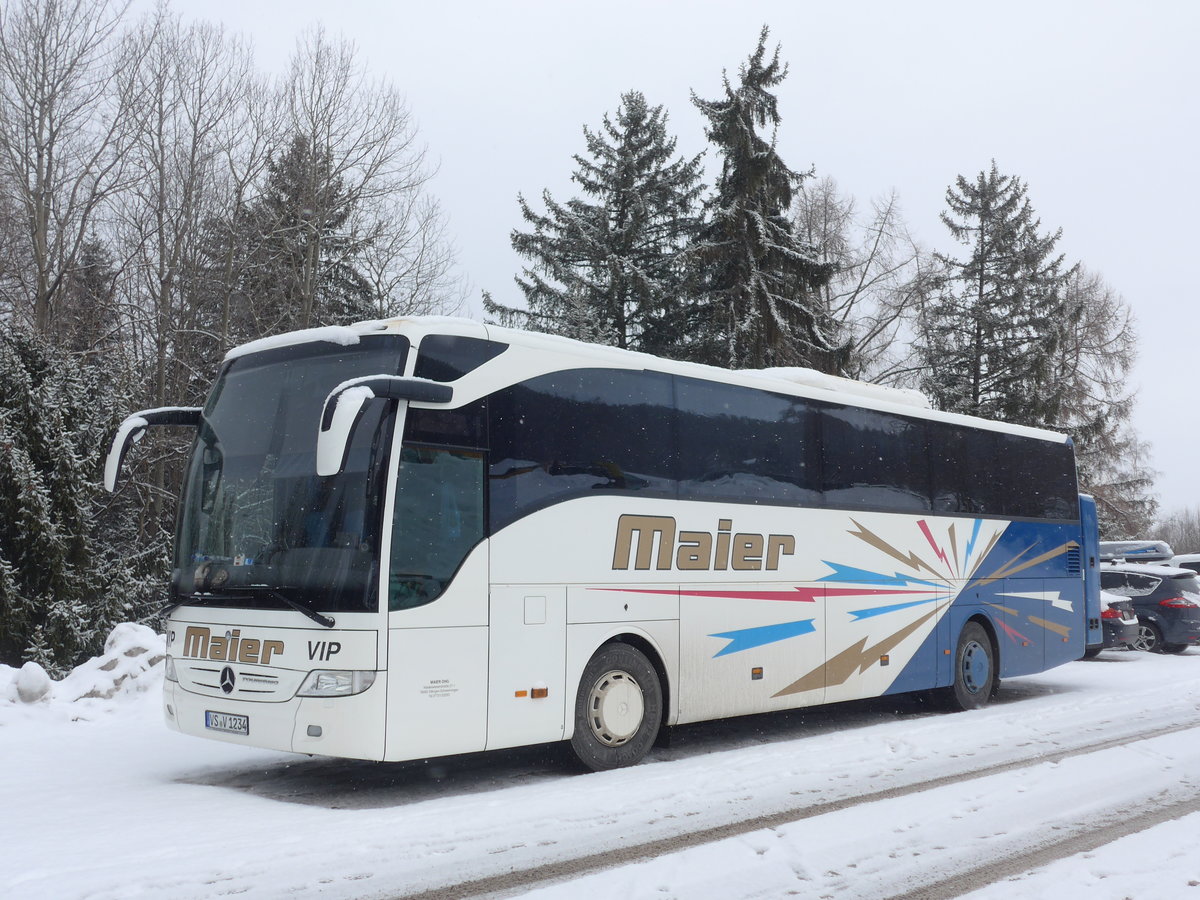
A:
796, 595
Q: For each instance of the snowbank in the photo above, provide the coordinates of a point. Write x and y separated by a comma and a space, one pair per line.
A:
131, 664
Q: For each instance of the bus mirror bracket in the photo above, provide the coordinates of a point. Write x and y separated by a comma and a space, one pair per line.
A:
344, 407
133, 429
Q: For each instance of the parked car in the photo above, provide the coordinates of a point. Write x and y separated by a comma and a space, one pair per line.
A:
1186, 561
1120, 623
1136, 551
1166, 600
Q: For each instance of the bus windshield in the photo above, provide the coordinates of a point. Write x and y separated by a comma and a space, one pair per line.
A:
257, 524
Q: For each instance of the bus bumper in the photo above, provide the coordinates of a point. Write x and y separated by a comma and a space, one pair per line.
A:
350, 727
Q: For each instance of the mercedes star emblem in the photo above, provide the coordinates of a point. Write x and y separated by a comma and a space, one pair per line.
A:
227, 680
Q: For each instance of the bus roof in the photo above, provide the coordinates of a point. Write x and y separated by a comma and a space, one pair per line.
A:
781, 380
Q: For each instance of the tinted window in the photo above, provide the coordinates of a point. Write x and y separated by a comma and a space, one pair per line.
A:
745, 445
1038, 478
1188, 585
965, 468
874, 460
438, 519
579, 433
993, 473
1139, 585
463, 427
445, 357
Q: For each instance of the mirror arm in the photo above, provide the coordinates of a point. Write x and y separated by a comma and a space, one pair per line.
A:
345, 403
134, 427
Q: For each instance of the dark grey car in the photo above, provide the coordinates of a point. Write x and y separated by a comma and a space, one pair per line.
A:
1166, 600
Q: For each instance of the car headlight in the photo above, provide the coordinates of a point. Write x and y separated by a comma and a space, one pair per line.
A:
169, 670
324, 683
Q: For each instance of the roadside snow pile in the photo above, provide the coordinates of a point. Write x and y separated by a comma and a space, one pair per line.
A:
130, 664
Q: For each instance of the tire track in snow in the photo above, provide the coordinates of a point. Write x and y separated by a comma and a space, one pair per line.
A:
1020, 863
503, 883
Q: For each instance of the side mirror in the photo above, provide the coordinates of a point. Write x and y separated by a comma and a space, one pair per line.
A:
134, 428
344, 405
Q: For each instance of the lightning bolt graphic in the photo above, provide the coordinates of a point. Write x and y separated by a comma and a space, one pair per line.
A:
1054, 598
1010, 567
856, 658
1015, 636
971, 542
911, 559
941, 554
749, 638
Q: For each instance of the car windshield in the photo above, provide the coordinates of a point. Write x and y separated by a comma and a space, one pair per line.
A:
257, 522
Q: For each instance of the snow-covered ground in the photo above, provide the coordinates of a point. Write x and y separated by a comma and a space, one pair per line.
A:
100, 800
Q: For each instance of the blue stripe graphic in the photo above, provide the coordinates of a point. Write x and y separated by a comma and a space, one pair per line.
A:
971, 542
851, 575
748, 638
881, 610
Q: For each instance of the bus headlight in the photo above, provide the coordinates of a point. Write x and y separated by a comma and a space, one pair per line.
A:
322, 683
169, 670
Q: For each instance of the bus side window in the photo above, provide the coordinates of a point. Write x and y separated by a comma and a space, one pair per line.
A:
874, 460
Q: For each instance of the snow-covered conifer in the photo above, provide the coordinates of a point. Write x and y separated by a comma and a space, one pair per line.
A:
759, 278
990, 336
610, 266
69, 566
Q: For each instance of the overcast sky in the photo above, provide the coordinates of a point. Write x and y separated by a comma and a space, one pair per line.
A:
1092, 104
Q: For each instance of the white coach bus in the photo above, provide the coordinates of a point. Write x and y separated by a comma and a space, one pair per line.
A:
429, 536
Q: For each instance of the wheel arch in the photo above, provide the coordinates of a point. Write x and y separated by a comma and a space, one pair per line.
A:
989, 628
660, 648
655, 656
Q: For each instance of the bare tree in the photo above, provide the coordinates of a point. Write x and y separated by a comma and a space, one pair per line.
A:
185, 101
408, 258
1097, 350
878, 271
365, 138
1181, 529
62, 133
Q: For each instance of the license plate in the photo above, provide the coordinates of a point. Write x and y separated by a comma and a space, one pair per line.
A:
227, 722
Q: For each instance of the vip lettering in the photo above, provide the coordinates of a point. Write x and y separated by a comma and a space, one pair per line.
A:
200, 643
323, 649
696, 550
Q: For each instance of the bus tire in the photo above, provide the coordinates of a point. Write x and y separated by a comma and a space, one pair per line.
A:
618, 708
975, 670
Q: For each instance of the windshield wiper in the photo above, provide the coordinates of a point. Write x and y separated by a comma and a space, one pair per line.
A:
319, 618
186, 600
249, 592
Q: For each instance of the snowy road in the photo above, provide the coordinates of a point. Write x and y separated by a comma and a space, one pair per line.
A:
1095, 765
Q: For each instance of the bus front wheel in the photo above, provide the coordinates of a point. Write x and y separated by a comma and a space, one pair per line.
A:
975, 673
618, 708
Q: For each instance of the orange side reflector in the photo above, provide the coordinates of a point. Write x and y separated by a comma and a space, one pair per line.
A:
947, 652
522, 694
539, 693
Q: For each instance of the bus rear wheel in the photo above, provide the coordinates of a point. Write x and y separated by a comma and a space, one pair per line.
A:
975, 674
618, 708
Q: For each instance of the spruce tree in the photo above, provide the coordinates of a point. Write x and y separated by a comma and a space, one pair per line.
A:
70, 566
609, 265
301, 247
990, 336
759, 289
